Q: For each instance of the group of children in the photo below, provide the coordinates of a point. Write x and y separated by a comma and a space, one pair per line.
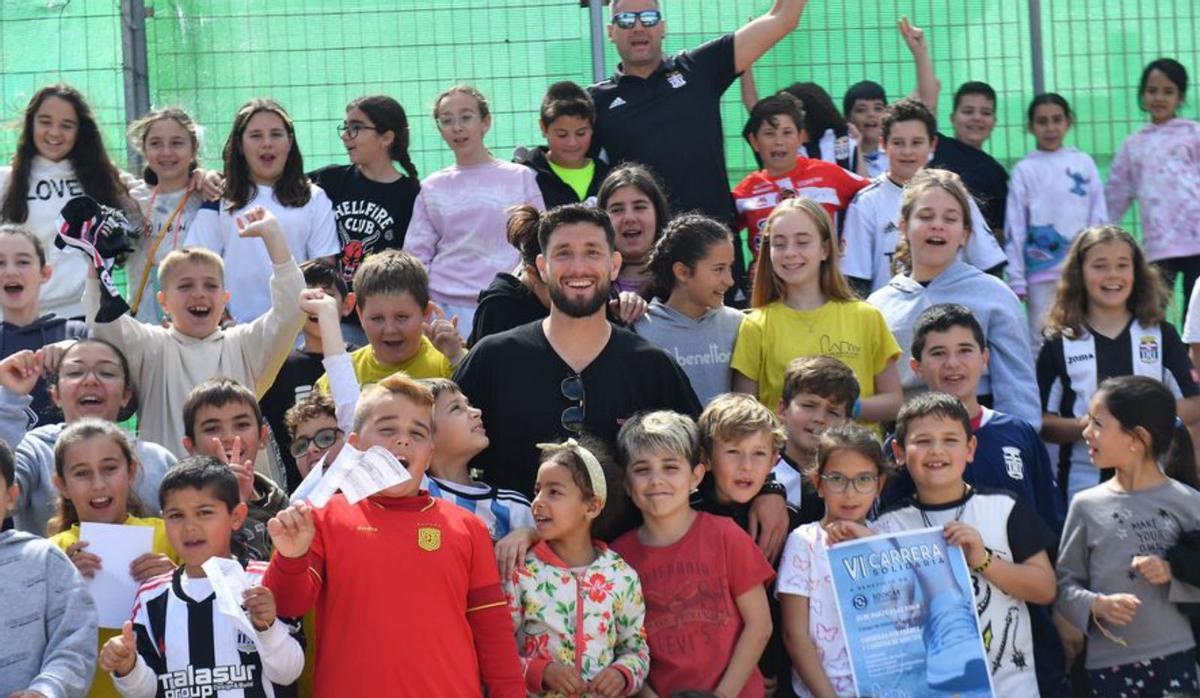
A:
877, 308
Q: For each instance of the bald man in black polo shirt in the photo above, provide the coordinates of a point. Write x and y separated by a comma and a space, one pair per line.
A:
664, 111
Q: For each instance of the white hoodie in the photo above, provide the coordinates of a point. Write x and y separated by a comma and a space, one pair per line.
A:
51, 186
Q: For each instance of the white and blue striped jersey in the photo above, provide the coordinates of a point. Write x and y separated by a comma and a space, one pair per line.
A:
502, 511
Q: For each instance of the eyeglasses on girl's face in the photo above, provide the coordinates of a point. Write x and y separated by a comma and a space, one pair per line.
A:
838, 483
349, 130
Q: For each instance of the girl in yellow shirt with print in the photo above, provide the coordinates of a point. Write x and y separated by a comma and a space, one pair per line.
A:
95, 466
804, 307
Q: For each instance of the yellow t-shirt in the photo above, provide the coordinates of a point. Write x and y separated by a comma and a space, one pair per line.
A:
578, 178
102, 684
428, 362
853, 332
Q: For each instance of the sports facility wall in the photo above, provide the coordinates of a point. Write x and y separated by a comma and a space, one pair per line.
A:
209, 56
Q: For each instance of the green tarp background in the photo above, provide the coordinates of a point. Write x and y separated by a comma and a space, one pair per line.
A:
209, 56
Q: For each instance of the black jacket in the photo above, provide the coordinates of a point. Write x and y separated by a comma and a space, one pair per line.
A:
556, 192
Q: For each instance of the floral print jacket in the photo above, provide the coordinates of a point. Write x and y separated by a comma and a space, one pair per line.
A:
589, 619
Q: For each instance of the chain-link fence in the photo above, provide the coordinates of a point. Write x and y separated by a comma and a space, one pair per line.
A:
209, 56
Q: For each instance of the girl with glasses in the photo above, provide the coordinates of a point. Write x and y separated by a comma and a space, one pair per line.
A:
458, 224
372, 198
848, 474
92, 381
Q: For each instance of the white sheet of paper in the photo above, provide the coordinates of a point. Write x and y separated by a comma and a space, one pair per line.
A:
113, 588
360, 474
229, 582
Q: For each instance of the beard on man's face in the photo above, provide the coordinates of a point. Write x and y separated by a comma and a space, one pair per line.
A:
580, 307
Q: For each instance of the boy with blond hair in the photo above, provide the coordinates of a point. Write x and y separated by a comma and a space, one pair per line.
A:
167, 363
431, 568
740, 441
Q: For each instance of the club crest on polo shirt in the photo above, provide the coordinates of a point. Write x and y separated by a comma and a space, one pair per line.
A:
675, 79
1148, 349
1013, 463
429, 538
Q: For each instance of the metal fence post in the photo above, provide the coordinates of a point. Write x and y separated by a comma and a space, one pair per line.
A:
1036, 57
596, 16
134, 67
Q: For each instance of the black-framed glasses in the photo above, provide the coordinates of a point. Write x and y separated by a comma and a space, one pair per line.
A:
572, 417
648, 18
351, 129
863, 484
324, 438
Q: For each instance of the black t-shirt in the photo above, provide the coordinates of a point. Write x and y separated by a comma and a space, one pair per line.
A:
986, 179
515, 378
671, 121
371, 216
295, 381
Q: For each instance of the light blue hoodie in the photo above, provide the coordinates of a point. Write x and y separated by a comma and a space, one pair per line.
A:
49, 621
703, 346
999, 312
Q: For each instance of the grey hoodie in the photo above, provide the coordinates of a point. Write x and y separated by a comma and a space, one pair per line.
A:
34, 452
48, 620
998, 310
703, 346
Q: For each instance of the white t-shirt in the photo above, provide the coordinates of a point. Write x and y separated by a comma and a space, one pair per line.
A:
51, 186
804, 571
877, 163
872, 230
1014, 534
310, 230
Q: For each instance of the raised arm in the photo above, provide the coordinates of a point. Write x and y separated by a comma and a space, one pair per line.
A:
266, 341
339, 372
757, 36
928, 86
749, 89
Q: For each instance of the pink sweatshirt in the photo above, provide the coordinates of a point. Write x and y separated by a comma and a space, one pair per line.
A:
1160, 167
458, 226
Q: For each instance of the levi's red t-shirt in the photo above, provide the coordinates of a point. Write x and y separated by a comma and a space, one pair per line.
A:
691, 587
827, 184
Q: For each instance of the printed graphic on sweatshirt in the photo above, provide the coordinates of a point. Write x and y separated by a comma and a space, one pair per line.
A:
1153, 535
199, 682
361, 224
58, 188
